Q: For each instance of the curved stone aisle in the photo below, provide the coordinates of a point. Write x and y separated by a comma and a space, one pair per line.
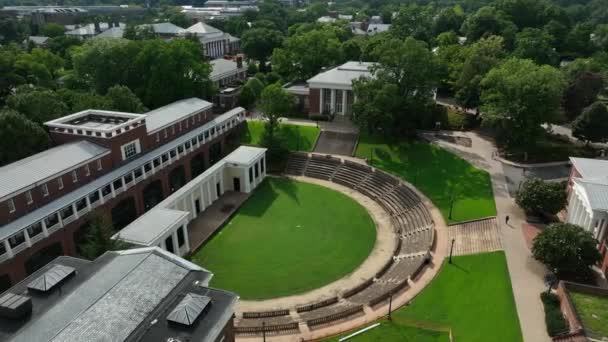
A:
385, 243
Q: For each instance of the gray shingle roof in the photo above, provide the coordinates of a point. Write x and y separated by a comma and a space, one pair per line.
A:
597, 194
222, 68
114, 32
37, 169
166, 28
591, 169
171, 113
343, 75
201, 28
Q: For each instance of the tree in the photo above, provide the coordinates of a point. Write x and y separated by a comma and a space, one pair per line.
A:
582, 90
121, 98
252, 90
258, 43
15, 127
566, 248
479, 59
52, 30
37, 105
304, 54
523, 13
538, 197
274, 103
413, 21
487, 21
592, 124
399, 94
82, 100
518, 96
98, 238
536, 45
449, 19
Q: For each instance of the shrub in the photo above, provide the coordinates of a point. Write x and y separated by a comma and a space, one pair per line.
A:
554, 319
538, 197
320, 117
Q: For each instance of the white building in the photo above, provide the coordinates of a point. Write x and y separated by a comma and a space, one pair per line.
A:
215, 42
165, 225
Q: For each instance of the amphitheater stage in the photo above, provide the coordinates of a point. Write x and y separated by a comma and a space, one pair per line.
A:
338, 143
214, 217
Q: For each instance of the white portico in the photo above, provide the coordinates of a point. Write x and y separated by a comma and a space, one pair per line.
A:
165, 225
588, 207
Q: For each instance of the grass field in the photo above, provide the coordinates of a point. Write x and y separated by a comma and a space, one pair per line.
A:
439, 174
299, 138
394, 330
472, 297
288, 237
593, 311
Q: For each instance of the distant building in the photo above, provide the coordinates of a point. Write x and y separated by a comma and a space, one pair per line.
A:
588, 201
91, 30
141, 294
219, 10
331, 91
39, 41
216, 43
368, 29
64, 15
165, 30
228, 76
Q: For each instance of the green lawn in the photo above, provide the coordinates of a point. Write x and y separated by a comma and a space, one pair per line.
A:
299, 138
396, 331
472, 297
593, 311
288, 237
437, 173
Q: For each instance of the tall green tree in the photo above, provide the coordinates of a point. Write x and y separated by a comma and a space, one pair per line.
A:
566, 248
274, 103
537, 45
582, 90
538, 197
252, 90
413, 21
258, 43
519, 96
592, 124
98, 239
398, 95
52, 30
38, 105
21, 137
488, 21
448, 19
121, 98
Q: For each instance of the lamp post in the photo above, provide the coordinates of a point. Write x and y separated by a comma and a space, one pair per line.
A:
264, 331
371, 157
390, 307
451, 202
452, 250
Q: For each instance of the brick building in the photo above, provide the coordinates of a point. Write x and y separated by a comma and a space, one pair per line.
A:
120, 164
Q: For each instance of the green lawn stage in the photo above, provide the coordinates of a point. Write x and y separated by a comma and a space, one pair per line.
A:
437, 173
287, 238
299, 138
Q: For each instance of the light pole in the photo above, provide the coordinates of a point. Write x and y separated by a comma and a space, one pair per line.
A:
452, 250
390, 307
264, 331
451, 202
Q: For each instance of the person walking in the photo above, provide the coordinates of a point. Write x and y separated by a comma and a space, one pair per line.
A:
507, 220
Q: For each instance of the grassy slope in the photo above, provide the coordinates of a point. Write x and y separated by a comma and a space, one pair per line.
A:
589, 305
275, 246
436, 173
299, 138
390, 331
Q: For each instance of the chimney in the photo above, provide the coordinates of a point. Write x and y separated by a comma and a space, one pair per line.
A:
239, 62
97, 27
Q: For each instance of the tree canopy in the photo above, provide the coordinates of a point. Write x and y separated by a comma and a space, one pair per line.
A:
538, 197
21, 137
592, 124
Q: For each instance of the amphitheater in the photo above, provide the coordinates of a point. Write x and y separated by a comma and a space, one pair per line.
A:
403, 272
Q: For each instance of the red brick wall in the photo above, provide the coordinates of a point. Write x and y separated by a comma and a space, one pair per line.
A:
567, 308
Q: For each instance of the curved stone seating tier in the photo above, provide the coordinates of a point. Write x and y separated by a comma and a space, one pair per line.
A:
414, 229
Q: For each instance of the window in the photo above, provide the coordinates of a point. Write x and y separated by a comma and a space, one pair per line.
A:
186, 121
16, 240
130, 149
11, 205
172, 129
60, 183
262, 164
87, 170
180, 237
165, 133
34, 229
257, 170
169, 244
180, 126
74, 176
28, 197
45, 190
339, 101
326, 101
98, 164
250, 174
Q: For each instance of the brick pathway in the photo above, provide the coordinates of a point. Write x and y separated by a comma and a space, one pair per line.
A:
474, 237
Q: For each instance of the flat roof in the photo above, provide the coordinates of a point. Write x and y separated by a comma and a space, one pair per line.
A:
95, 120
244, 155
343, 75
151, 225
117, 297
592, 169
39, 168
63, 201
164, 116
222, 68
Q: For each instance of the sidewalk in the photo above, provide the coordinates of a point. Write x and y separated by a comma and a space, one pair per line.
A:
526, 273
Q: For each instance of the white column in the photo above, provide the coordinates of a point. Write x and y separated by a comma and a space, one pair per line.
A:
75, 210
45, 231
344, 92
203, 204
187, 242
175, 245
221, 183
209, 191
321, 101
332, 103
194, 213
28, 241
101, 200
113, 190
143, 170
60, 219
9, 250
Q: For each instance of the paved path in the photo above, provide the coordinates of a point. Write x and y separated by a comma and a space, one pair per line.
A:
526, 273
475, 237
339, 143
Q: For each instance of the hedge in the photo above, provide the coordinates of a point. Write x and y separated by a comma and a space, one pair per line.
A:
554, 319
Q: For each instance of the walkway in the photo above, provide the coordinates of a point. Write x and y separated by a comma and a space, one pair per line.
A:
338, 143
480, 236
526, 273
